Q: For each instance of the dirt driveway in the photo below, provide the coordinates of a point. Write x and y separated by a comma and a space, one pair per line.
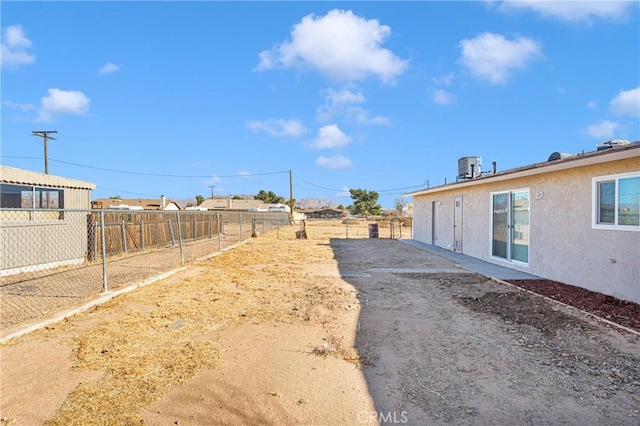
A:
446, 347
323, 331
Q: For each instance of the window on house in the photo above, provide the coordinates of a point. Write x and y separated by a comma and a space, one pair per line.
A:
616, 202
31, 197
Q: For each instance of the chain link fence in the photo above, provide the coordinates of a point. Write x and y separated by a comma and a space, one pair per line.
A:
54, 259
388, 227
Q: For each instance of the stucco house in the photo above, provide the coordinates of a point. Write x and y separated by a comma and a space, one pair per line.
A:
34, 233
573, 219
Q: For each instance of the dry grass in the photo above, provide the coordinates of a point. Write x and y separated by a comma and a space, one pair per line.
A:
334, 346
145, 353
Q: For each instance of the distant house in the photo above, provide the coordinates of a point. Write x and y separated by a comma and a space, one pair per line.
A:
231, 204
277, 207
324, 213
573, 219
135, 204
253, 205
31, 216
216, 203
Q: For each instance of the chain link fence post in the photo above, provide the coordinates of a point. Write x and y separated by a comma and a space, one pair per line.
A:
104, 253
180, 238
173, 239
95, 240
219, 232
142, 234
123, 231
241, 227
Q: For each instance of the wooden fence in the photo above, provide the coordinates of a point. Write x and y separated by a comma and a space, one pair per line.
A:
126, 232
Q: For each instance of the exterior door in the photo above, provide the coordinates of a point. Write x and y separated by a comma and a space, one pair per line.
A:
510, 226
457, 223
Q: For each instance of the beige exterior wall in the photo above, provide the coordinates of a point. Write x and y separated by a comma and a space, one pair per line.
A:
33, 240
563, 246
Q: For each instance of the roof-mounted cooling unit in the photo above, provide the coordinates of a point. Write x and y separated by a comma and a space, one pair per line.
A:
559, 156
469, 167
612, 144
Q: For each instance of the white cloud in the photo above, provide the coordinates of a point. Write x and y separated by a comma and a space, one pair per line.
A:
603, 130
341, 102
340, 45
63, 102
561, 91
592, 104
244, 173
335, 102
493, 57
22, 107
445, 80
627, 102
330, 136
212, 180
344, 96
442, 97
573, 11
344, 193
361, 116
14, 47
335, 162
278, 128
109, 68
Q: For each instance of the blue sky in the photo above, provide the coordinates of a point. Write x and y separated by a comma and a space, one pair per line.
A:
383, 96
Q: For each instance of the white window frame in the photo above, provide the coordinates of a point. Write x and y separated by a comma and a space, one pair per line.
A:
595, 207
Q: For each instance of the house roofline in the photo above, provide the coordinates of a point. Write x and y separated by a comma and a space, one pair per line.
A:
580, 160
14, 175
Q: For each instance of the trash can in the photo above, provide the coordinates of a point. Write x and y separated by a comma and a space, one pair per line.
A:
373, 230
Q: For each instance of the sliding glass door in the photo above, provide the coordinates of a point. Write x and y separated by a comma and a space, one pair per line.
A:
510, 225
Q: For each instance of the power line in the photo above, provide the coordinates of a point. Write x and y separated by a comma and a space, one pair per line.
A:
148, 174
401, 189
21, 158
167, 175
125, 192
342, 190
385, 192
318, 186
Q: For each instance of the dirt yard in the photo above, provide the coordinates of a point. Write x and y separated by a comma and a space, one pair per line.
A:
323, 331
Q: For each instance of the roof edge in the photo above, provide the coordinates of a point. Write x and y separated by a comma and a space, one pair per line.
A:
579, 160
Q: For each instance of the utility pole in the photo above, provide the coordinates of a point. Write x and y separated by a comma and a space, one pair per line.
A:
44, 134
212, 187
